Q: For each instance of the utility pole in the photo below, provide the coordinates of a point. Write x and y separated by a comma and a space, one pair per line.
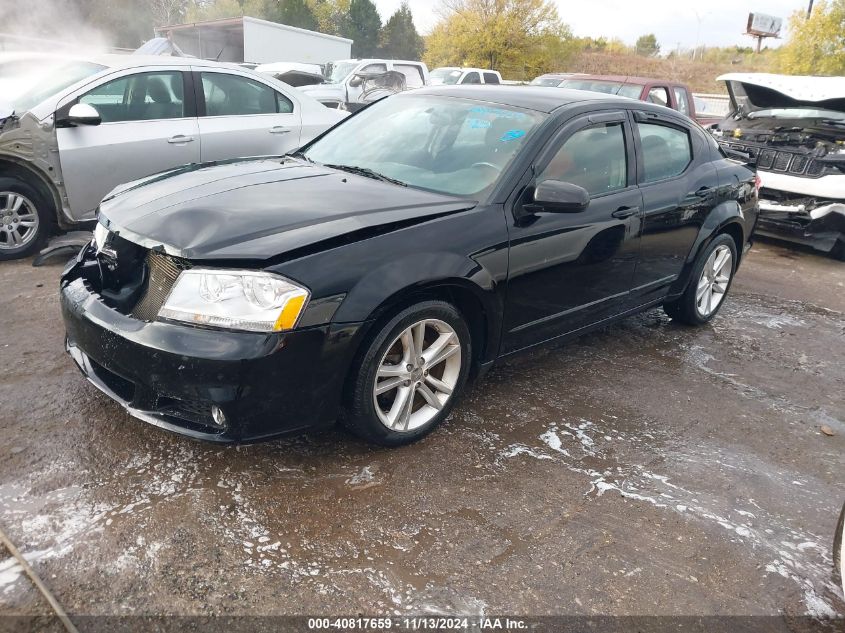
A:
810, 10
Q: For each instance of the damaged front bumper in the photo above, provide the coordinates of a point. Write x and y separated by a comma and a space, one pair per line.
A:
816, 223
210, 384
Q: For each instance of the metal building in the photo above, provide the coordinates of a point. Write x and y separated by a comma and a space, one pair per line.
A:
247, 39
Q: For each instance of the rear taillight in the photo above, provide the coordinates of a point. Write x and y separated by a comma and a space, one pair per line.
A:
757, 183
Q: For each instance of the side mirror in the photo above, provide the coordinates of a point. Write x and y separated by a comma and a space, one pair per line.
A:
355, 82
83, 114
6, 110
556, 196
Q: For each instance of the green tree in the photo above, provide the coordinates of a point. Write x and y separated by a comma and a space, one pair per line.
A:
647, 45
331, 15
399, 37
519, 38
816, 45
297, 13
363, 27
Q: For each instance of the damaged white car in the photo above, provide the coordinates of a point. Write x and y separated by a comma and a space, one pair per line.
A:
91, 124
793, 129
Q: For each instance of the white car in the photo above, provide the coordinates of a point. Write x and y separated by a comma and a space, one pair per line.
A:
343, 83
91, 124
453, 76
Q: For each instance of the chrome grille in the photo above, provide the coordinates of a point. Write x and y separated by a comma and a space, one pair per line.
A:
767, 157
782, 161
800, 164
163, 271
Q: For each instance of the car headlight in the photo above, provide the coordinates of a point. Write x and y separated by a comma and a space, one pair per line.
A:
101, 236
235, 299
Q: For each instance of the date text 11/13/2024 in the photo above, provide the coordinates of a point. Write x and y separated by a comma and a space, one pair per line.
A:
424, 623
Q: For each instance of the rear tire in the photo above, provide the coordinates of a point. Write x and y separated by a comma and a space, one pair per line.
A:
838, 250
410, 374
26, 218
710, 281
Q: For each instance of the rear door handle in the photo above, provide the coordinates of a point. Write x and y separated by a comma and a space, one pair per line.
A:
180, 139
625, 212
279, 129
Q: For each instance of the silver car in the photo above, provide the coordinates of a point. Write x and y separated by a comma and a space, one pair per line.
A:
94, 123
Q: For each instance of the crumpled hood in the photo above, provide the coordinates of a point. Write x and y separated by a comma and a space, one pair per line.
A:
257, 209
757, 91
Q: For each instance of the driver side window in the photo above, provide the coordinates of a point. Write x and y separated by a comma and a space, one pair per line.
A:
140, 97
594, 158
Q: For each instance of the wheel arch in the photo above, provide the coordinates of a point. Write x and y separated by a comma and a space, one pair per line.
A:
10, 166
726, 218
448, 277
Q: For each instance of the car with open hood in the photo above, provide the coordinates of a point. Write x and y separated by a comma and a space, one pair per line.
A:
343, 83
367, 276
793, 129
89, 124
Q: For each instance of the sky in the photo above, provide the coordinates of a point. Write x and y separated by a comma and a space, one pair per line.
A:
683, 23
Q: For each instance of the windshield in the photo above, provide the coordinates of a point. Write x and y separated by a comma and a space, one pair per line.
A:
52, 81
797, 113
453, 146
338, 71
549, 82
631, 91
448, 76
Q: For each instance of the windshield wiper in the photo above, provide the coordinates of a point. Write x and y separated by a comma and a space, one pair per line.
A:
369, 173
834, 122
300, 155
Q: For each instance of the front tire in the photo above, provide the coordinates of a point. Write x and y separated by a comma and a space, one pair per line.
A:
410, 375
709, 284
25, 219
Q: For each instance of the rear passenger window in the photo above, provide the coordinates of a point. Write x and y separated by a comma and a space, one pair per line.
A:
681, 100
233, 95
491, 78
658, 95
472, 78
594, 158
667, 151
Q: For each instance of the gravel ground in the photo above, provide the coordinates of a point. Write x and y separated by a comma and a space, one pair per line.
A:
645, 469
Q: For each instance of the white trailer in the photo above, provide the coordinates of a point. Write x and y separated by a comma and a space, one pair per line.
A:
251, 40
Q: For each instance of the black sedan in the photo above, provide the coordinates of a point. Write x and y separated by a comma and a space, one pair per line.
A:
367, 276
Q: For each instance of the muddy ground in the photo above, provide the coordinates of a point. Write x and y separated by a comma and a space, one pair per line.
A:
645, 469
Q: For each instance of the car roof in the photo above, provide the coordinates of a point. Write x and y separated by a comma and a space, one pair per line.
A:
628, 79
467, 69
370, 60
537, 98
113, 60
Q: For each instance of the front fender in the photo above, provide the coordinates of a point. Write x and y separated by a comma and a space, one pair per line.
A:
385, 285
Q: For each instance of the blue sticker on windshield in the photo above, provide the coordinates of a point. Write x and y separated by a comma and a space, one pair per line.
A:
512, 135
478, 124
498, 112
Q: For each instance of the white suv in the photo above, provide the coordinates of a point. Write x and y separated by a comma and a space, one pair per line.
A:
453, 76
340, 87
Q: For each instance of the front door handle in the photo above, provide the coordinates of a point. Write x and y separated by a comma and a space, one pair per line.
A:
279, 129
180, 139
625, 212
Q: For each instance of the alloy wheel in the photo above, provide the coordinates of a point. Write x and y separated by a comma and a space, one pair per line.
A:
18, 220
417, 375
714, 281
